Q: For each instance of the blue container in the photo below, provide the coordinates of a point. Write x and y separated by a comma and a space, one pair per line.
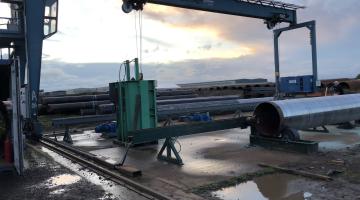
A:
296, 84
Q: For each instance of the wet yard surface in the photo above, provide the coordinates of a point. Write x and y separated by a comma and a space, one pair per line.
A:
334, 140
214, 158
268, 187
54, 177
218, 165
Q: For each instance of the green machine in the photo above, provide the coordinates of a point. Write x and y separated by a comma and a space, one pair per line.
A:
135, 101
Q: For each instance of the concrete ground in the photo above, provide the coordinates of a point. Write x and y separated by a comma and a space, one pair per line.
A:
217, 165
216, 157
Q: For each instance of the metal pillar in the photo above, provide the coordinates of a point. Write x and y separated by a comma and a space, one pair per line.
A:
34, 35
277, 62
127, 70
137, 71
311, 25
17, 134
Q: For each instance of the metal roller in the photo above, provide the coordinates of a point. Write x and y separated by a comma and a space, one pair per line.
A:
272, 117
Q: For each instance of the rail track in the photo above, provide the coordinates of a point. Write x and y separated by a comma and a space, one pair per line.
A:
107, 170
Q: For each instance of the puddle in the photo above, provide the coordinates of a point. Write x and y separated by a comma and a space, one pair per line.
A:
60, 191
269, 187
64, 179
113, 190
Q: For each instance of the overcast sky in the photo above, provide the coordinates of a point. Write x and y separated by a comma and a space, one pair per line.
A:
189, 46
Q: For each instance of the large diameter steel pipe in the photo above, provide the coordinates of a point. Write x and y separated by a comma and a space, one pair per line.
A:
272, 117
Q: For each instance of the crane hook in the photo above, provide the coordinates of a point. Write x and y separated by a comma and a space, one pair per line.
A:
129, 5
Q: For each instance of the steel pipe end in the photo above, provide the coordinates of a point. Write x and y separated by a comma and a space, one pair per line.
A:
268, 119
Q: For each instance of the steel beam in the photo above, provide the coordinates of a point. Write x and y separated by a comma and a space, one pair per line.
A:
253, 9
148, 135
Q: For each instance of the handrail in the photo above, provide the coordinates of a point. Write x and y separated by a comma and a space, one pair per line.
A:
6, 21
277, 4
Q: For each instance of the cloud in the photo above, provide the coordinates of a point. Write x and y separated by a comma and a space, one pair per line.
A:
181, 45
55, 74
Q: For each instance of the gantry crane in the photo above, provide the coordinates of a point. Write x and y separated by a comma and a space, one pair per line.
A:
32, 21
272, 12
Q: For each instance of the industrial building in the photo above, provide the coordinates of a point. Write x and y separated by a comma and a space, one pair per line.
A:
297, 137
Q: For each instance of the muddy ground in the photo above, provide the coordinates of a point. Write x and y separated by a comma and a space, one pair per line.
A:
44, 178
218, 165
343, 166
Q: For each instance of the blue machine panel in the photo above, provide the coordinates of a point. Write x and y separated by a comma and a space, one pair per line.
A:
296, 84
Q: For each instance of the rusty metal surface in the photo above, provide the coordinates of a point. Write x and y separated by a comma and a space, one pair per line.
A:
351, 85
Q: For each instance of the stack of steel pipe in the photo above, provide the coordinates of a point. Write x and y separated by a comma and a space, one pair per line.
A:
105, 108
184, 96
351, 85
71, 99
175, 93
89, 111
74, 107
110, 108
195, 100
214, 107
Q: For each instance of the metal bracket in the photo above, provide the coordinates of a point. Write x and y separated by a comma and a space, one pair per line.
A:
128, 146
170, 147
67, 136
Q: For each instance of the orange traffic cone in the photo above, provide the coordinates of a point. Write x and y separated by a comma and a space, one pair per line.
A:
8, 150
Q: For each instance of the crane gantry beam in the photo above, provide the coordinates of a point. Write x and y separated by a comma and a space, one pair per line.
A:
273, 12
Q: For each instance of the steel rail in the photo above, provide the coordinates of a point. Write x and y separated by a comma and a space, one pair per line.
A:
124, 181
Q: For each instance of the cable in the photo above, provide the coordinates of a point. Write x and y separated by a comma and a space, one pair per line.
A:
141, 37
177, 141
136, 36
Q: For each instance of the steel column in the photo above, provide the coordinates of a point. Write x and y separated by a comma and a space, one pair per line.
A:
34, 35
312, 27
277, 62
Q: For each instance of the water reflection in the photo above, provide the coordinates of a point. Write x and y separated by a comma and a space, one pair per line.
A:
269, 187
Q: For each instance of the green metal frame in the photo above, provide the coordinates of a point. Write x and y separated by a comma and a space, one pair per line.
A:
147, 135
170, 133
169, 145
136, 103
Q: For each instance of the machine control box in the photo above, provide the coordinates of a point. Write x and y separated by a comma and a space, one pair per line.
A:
296, 84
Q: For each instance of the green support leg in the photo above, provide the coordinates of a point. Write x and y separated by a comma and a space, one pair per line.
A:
67, 136
170, 148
